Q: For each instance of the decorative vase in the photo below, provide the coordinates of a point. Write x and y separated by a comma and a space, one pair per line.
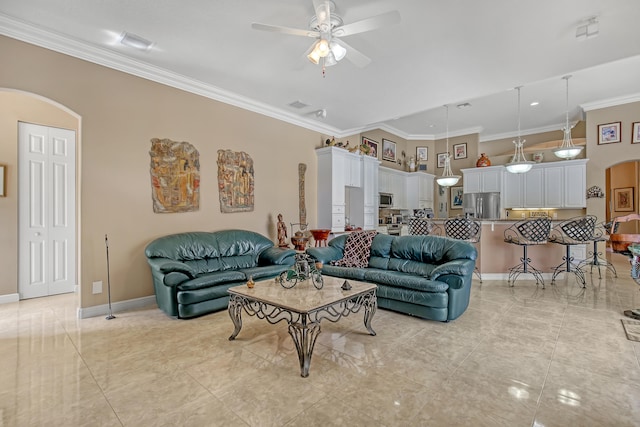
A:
537, 157
483, 161
412, 164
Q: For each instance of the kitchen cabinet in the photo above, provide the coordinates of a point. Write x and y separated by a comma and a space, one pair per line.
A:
419, 190
482, 180
338, 170
560, 185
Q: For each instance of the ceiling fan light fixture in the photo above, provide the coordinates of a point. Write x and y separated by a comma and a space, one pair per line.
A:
338, 51
330, 60
314, 57
323, 48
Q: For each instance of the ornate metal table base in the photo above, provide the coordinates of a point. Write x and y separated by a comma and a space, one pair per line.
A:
304, 328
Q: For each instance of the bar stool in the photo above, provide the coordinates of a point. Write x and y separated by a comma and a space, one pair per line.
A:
601, 234
527, 233
574, 231
464, 229
423, 226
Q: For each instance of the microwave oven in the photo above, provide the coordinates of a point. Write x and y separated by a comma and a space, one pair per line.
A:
385, 200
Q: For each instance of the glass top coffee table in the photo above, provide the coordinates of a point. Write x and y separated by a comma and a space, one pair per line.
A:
302, 307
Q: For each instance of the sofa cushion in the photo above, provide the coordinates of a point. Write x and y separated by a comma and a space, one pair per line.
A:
411, 267
198, 295
264, 272
212, 279
345, 272
404, 280
426, 299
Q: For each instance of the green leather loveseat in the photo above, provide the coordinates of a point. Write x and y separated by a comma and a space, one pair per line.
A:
425, 276
192, 271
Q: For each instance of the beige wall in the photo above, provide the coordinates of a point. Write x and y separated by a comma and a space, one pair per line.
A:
602, 157
119, 114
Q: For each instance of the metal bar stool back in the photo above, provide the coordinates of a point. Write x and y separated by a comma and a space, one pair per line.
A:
464, 229
423, 226
527, 233
574, 231
601, 233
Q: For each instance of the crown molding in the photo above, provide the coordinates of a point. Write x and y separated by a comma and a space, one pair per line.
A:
524, 132
22, 31
611, 102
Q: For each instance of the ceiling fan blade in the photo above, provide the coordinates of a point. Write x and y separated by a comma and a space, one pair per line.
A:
358, 58
373, 23
323, 15
284, 30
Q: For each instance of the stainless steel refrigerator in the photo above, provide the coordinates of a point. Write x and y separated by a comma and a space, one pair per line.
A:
481, 205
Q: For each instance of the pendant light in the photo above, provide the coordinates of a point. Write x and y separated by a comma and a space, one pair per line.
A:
519, 163
567, 150
448, 178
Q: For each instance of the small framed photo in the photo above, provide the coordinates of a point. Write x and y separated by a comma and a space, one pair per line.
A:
388, 150
460, 151
635, 133
609, 133
422, 154
441, 159
456, 197
373, 146
422, 167
623, 199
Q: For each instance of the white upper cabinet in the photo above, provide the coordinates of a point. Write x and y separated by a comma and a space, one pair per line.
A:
411, 190
482, 180
547, 185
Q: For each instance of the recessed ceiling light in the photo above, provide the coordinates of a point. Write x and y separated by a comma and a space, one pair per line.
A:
463, 106
534, 103
135, 41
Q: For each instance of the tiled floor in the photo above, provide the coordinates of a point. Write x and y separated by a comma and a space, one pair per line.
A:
519, 356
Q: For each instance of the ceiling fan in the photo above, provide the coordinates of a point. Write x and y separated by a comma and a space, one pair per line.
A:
326, 27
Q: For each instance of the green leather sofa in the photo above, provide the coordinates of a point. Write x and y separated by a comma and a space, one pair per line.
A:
424, 276
192, 271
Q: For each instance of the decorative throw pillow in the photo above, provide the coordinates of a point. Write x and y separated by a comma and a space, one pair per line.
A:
357, 249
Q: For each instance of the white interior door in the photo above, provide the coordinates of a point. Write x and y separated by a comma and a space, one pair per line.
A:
47, 222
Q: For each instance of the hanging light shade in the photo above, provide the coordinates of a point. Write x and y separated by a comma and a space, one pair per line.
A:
448, 178
567, 150
519, 163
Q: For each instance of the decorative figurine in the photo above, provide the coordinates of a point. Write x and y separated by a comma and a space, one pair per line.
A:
483, 161
303, 268
282, 233
346, 286
250, 283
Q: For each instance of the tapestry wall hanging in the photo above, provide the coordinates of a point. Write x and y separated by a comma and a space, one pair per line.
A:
175, 176
235, 181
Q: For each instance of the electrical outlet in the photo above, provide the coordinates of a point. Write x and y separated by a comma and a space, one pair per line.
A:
97, 287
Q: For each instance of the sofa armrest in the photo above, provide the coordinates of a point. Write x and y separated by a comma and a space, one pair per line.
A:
166, 266
458, 267
325, 254
276, 256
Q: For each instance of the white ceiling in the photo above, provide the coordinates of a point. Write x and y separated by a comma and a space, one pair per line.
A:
442, 52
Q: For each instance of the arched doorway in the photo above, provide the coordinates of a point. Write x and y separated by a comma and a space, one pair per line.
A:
622, 184
19, 106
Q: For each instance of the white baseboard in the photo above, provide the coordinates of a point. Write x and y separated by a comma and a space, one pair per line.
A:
6, 299
103, 310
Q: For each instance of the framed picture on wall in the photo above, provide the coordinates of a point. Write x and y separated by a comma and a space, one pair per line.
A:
635, 133
422, 153
441, 159
609, 133
460, 151
373, 146
623, 199
456, 197
388, 150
